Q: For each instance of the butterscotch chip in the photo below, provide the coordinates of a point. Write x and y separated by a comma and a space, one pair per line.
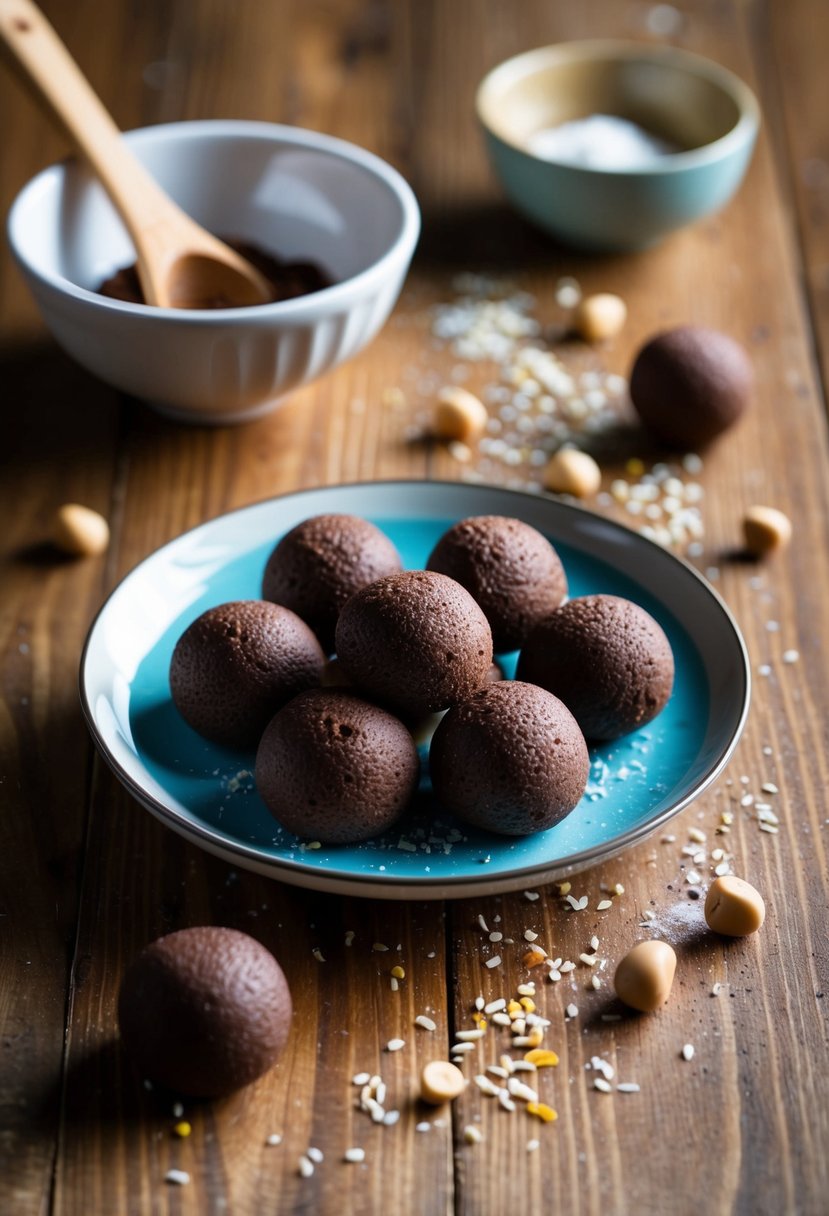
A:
441, 1082
734, 907
572, 472
600, 316
80, 531
765, 529
458, 414
645, 976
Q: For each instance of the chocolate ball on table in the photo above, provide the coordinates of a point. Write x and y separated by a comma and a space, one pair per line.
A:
690, 384
508, 567
321, 562
511, 759
607, 659
415, 641
204, 1011
236, 665
334, 768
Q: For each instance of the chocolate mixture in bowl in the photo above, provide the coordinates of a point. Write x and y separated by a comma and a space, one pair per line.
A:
287, 279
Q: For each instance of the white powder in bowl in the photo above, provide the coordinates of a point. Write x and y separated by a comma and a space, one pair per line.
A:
601, 141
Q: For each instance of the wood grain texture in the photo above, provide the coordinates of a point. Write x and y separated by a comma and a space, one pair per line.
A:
740, 1128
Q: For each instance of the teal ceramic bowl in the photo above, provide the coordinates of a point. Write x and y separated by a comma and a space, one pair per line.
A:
702, 109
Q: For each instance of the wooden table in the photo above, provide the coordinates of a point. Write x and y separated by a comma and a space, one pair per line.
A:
88, 877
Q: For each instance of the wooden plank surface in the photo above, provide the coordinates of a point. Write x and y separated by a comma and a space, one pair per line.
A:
741, 1127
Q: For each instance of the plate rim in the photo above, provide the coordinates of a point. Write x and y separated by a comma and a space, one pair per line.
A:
383, 885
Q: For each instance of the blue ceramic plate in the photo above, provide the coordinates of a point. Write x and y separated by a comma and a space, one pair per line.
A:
207, 794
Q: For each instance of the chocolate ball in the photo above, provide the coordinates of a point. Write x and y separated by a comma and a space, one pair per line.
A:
332, 767
607, 659
509, 568
690, 384
236, 665
415, 641
511, 759
204, 1011
321, 562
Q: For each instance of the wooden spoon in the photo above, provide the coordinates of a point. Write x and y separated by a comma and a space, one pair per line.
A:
179, 264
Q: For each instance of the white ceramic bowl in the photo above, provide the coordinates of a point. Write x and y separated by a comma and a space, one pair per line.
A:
297, 193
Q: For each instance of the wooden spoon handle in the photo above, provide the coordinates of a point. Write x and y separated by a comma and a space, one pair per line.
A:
60, 83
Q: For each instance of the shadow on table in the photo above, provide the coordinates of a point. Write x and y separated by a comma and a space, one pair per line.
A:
492, 235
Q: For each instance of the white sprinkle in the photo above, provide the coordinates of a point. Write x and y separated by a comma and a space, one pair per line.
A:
595, 982
506, 1101
517, 1089
496, 1006
497, 1071
526, 989
717, 989
361, 1078
355, 1155
459, 451
472, 1135
468, 1036
529, 936
747, 800
688, 1051
314, 1154
496, 936
696, 835
306, 1168
603, 905
768, 827
395, 1044
627, 1087
502, 1019
604, 1086
565, 967
791, 656
178, 1110
426, 1023
483, 923
495, 961
532, 896
523, 1065
274, 1140
589, 960
423, 1127
177, 1177
572, 1011
393, 984
722, 869
349, 937
379, 1091
479, 1003
379, 947
390, 1118
458, 1048
764, 670
532, 1145
769, 787
486, 1086
594, 942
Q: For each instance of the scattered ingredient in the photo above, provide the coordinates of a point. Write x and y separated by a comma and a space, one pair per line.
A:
441, 1082
177, 1177
183, 1129
734, 907
355, 1155
688, 1052
600, 316
569, 471
274, 1140
395, 1044
765, 529
645, 975
459, 415
80, 531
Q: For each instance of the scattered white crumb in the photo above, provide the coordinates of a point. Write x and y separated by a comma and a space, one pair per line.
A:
425, 1022
395, 1044
472, 1134
791, 656
177, 1177
305, 1167
314, 1154
532, 896
495, 961
274, 1140
688, 1051
627, 1087
354, 1154
532, 1145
